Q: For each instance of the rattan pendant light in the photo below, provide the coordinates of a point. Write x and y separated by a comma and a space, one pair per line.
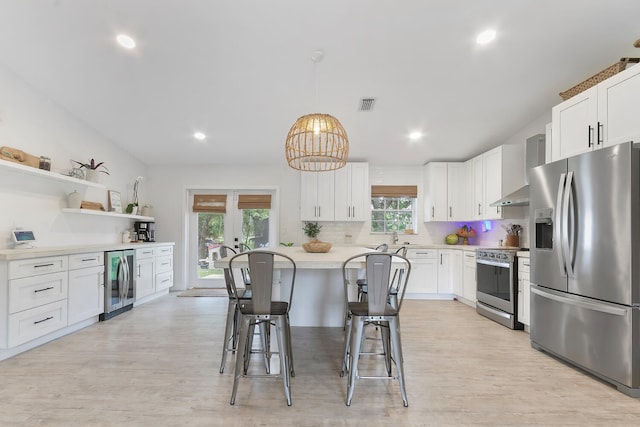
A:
317, 142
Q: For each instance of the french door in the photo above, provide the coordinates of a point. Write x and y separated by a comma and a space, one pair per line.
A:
246, 222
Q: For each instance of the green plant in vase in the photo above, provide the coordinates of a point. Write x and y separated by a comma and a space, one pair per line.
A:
132, 208
311, 230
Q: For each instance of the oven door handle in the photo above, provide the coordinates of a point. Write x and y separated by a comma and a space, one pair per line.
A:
494, 263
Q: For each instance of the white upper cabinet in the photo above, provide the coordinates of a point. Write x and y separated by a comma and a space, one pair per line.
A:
478, 188
618, 107
496, 173
444, 191
317, 196
574, 124
601, 116
352, 198
456, 192
435, 197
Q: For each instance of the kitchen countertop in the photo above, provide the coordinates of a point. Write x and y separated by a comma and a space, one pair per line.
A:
471, 248
11, 254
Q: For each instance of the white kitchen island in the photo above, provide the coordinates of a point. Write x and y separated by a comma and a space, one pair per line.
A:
318, 295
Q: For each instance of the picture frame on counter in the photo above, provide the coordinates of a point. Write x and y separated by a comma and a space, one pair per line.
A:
115, 202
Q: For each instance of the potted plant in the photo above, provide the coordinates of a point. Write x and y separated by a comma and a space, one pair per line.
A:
132, 208
92, 169
312, 229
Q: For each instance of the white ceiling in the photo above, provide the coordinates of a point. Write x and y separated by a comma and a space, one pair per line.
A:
241, 70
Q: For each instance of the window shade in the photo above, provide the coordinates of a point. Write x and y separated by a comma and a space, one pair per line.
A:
254, 201
210, 203
394, 191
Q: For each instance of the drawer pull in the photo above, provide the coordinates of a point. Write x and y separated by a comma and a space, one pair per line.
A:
89, 259
42, 290
166, 280
43, 320
165, 263
43, 265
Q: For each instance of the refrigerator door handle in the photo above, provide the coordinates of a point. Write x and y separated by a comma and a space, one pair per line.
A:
568, 219
557, 228
583, 304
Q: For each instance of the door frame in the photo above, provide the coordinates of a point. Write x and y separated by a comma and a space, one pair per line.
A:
189, 273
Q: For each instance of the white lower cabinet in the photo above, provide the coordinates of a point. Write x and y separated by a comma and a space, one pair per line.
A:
469, 278
433, 272
423, 278
524, 288
30, 324
86, 286
164, 281
163, 268
35, 291
145, 272
154, 272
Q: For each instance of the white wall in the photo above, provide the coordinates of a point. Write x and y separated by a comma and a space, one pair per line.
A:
31, 122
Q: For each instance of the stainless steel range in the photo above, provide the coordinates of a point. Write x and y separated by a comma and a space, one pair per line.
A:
497, 279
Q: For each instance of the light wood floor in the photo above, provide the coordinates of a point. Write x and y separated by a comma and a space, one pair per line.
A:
158, 366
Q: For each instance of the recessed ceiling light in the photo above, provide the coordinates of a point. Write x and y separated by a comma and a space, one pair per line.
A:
199, 136
486, 37
126, 41
414, 136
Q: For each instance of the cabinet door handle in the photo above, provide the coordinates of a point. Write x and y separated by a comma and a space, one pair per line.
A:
42, 290
600, 134
590, 136
450, 214
43, 265
319, 212
43, 320
433, 211
138, 270
353, 212
479, 211
440, 259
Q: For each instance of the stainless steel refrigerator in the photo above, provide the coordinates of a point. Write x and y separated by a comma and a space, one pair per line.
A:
585, 262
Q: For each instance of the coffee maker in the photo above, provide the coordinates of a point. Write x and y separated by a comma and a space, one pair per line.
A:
145, 231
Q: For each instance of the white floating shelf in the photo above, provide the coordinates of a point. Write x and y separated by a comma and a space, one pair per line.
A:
112, 214
28, 170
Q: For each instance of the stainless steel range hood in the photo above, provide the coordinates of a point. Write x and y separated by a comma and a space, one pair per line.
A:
535, 147
520, 197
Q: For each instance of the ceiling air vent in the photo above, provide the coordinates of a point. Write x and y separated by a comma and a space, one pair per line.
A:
366, 104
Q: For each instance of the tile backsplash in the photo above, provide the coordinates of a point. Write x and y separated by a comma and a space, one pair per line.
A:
344, 233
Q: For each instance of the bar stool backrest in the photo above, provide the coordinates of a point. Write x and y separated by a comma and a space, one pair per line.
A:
224, 252
378, 267
261, 270
261, 265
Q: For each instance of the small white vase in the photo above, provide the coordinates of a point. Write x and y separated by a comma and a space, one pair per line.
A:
92, 175
75, 200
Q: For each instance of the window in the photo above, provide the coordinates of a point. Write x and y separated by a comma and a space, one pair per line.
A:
393, 208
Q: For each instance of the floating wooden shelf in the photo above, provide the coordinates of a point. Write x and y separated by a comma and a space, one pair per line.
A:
112, 214
27, 170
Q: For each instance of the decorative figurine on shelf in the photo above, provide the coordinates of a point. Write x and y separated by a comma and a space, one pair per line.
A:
513, 234
466, 232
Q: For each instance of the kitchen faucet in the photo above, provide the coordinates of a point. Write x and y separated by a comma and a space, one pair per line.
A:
395, 237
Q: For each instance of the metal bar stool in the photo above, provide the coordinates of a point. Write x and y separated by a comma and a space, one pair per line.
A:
263, 311
382, 308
